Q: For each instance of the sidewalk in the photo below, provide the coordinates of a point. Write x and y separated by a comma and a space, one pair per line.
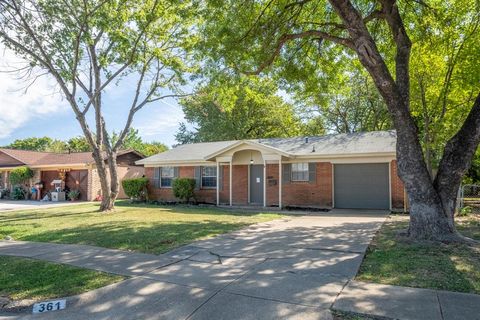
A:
407, 303
14, 205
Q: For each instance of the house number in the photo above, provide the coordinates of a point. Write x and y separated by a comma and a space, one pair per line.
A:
47, 306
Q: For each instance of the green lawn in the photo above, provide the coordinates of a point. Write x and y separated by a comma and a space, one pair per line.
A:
144, 228
22, 278
453, 267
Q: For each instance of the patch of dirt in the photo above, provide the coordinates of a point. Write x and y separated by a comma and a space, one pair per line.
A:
19, 306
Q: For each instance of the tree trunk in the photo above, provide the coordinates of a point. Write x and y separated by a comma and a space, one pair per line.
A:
432, 204
114, 183
105, 204
428, 218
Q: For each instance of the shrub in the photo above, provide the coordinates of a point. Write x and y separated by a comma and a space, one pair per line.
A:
136, 188
465, 211
5, 194
183, 188
20, 175
18, 193
73, 194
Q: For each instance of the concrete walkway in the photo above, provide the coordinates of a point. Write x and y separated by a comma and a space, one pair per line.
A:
10, 205
285, 269
407, 303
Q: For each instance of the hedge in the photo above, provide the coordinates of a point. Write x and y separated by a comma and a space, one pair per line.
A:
135, 188
183, 188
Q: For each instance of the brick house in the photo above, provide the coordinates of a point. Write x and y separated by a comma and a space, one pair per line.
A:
78, 170
332, 171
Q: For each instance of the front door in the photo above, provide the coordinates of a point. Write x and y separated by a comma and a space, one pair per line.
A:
256, 184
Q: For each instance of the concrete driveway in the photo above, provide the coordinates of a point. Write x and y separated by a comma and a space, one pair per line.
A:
9, 205
292, 268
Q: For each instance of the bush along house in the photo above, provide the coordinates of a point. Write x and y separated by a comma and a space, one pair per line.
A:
355, 171
76, 170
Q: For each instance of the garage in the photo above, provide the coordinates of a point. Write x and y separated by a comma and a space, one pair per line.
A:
74, 179
362, 186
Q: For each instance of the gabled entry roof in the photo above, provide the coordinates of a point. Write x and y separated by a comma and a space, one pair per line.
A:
355, 144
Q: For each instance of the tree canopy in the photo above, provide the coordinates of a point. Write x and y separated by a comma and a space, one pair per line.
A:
232, 108
134, 141
79, 144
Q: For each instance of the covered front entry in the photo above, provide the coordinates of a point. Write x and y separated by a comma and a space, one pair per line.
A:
256, 184
362, 186
242, 174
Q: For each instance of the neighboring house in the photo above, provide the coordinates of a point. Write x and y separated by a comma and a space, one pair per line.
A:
78, 170
332, 171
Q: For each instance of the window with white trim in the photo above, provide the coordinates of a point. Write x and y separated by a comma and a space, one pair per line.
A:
300, 171
168, 173
209, 177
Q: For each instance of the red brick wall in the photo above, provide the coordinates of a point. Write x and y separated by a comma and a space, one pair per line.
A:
240, 184
272, 184
166, 194
224, 189
397, 187
318, 194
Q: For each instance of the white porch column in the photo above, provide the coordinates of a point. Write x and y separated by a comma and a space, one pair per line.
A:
231, 187
264, 182
218, 183
280, 178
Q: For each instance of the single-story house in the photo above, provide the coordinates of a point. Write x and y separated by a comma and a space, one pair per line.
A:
332, 171
76, 169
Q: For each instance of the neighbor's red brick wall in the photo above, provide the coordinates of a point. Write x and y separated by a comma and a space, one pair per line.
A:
397, 187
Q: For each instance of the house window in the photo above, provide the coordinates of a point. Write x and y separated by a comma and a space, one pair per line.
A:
167, 176
209, 177
300, 171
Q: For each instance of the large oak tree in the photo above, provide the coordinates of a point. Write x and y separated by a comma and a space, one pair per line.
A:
281, 36
89, 46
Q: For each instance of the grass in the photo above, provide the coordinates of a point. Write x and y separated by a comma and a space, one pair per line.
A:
22, 278
453, 267
342, 315
143, 228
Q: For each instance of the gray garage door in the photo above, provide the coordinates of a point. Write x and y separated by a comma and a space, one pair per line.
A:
361, 186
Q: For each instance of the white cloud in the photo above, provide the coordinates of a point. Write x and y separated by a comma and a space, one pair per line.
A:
18, 107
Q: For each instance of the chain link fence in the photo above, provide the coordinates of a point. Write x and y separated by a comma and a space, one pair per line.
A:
469, 198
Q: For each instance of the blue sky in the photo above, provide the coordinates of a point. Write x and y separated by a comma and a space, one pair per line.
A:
41, 111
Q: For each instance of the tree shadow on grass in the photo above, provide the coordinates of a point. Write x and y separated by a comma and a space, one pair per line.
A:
155, 238
192, 209
422, 264
46, 213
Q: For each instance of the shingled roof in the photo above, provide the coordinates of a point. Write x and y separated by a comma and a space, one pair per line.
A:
363, 143
38, 159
